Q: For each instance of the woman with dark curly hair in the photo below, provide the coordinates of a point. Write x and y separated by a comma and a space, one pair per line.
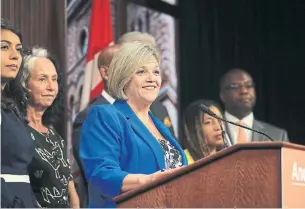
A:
17, 147
203, 135
41, 99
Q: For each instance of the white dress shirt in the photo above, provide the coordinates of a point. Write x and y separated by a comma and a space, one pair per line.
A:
109, 98
233, 130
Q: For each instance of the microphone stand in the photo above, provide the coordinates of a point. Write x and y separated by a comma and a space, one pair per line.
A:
207, 110
223, 133
244, 127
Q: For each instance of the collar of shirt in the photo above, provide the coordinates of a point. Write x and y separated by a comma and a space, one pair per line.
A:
248, 121
109, 98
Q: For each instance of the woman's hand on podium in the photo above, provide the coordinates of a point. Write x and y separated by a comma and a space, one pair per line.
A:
132, 181
160, 174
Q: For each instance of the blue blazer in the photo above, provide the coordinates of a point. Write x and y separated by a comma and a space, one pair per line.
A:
115, 143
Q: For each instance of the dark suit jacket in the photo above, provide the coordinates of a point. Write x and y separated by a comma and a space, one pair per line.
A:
82, 188
277, 134
77, 126
160, 112
274, 132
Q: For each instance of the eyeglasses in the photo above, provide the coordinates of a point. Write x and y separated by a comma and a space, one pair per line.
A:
236, 86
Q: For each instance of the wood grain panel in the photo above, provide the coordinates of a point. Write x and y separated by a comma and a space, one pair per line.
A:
241, 176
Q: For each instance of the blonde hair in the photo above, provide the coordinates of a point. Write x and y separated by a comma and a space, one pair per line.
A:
137, 36
125, 62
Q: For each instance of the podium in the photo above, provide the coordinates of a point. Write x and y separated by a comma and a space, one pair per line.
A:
256, 175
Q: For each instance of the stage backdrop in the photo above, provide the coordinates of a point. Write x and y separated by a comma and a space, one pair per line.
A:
266, 38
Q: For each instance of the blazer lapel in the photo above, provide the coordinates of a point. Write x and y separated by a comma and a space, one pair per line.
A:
141, 130
259, 127
167, 134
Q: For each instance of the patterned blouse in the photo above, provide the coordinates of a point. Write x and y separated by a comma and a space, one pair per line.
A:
50, 170
173, 158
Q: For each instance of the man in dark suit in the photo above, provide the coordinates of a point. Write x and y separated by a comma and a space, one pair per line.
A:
104, 60
237, 92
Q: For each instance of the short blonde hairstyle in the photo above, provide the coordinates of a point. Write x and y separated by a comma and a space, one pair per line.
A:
137, 36
130, 57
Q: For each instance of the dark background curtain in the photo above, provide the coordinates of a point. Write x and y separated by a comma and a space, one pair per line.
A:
264, 37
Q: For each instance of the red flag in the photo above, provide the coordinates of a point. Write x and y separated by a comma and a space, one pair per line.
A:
100, 36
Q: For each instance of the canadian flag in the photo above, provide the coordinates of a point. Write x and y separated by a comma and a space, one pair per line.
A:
100, 36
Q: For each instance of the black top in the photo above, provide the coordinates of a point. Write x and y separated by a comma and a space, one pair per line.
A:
160, 112
50, 170
77, 127
17, 149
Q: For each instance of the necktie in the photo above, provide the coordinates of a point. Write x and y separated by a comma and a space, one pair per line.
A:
242, 135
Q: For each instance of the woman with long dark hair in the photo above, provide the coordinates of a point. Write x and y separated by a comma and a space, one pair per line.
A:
203, 135
17, 147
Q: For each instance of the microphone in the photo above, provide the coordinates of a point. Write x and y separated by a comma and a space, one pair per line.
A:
223, 133
206, 110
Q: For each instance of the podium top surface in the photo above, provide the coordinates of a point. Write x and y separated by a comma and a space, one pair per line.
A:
227, 151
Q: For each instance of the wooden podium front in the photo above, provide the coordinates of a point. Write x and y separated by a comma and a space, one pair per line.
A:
258, 174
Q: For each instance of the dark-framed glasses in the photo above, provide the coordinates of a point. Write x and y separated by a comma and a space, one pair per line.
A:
237, 86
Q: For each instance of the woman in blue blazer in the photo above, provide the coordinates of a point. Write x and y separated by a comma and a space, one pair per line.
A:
123, 145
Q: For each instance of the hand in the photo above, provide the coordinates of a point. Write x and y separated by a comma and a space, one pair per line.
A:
162, 173
152, 177
132, 181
